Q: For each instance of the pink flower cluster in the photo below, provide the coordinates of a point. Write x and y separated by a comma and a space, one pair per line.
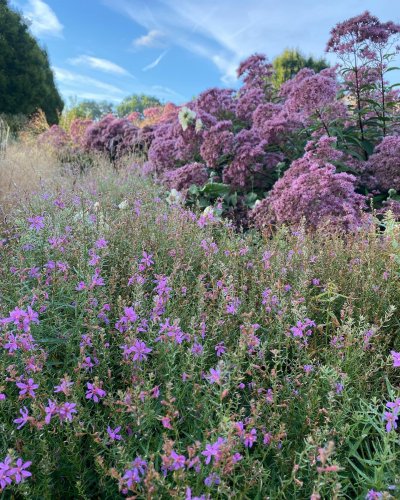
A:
311, 189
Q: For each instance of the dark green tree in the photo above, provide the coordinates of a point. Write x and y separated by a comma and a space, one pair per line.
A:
290, 62
26, 79
138, 103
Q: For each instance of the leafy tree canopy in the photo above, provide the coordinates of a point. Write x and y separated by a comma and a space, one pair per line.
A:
92, 109
291, 61
137, 103
26, 79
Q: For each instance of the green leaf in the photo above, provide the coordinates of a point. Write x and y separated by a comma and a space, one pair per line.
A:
368, 147
357, 155
194, 190
215, 189
378, 198
204, 202
342, 167
232, 199
251, 199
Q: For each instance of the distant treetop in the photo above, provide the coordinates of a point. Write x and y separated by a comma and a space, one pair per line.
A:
291, 61
137, 103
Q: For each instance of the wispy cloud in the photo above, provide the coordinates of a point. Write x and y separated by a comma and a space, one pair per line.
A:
99, 64
43, 19
73, 84
226, 32
90, 96
165, 93
153, 38
76, 84
156, 62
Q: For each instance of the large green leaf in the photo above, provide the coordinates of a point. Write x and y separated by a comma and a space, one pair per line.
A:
215, 189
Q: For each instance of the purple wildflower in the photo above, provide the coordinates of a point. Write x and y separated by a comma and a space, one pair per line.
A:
94, 392
391, 421
19, 470
212, 479
23, 419
178, 461
36, 223
5, 472
215, 376
50, 411
64, 386
113, 433
394, 405
66, 411
220, 349
213, 450
27, 388
140, 350
250, 438
396, 359
101, 243
373, 495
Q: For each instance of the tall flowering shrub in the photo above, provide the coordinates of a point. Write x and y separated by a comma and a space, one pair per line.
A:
217, 131
248, 139
112, 136
236, 148
366, 46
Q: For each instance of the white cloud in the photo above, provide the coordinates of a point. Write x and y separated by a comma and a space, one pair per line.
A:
74, 84
99, 64
227, 68
90, 96
155, 63
43, 19
79, 84
153, 38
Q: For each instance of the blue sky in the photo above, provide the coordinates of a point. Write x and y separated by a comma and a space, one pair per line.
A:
174, 49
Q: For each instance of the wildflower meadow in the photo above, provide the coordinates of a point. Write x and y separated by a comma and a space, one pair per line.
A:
202, 302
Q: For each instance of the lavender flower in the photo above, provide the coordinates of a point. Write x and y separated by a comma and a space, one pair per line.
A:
27, 388
113, 433
396, 359
95, 392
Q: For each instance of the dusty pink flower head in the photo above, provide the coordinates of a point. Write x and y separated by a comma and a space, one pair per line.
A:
217, 142
251, 164
354, 33
309, 91
312, 189
248, 101
255, 71
217, 102
184, 177
382, 168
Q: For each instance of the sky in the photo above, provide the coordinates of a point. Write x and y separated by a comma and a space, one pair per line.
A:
175, 49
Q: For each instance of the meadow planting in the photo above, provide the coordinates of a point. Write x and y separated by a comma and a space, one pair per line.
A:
202, 302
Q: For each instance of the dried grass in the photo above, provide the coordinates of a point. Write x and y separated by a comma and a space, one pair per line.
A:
23, 170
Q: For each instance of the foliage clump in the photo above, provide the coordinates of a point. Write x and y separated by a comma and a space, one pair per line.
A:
26, 79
